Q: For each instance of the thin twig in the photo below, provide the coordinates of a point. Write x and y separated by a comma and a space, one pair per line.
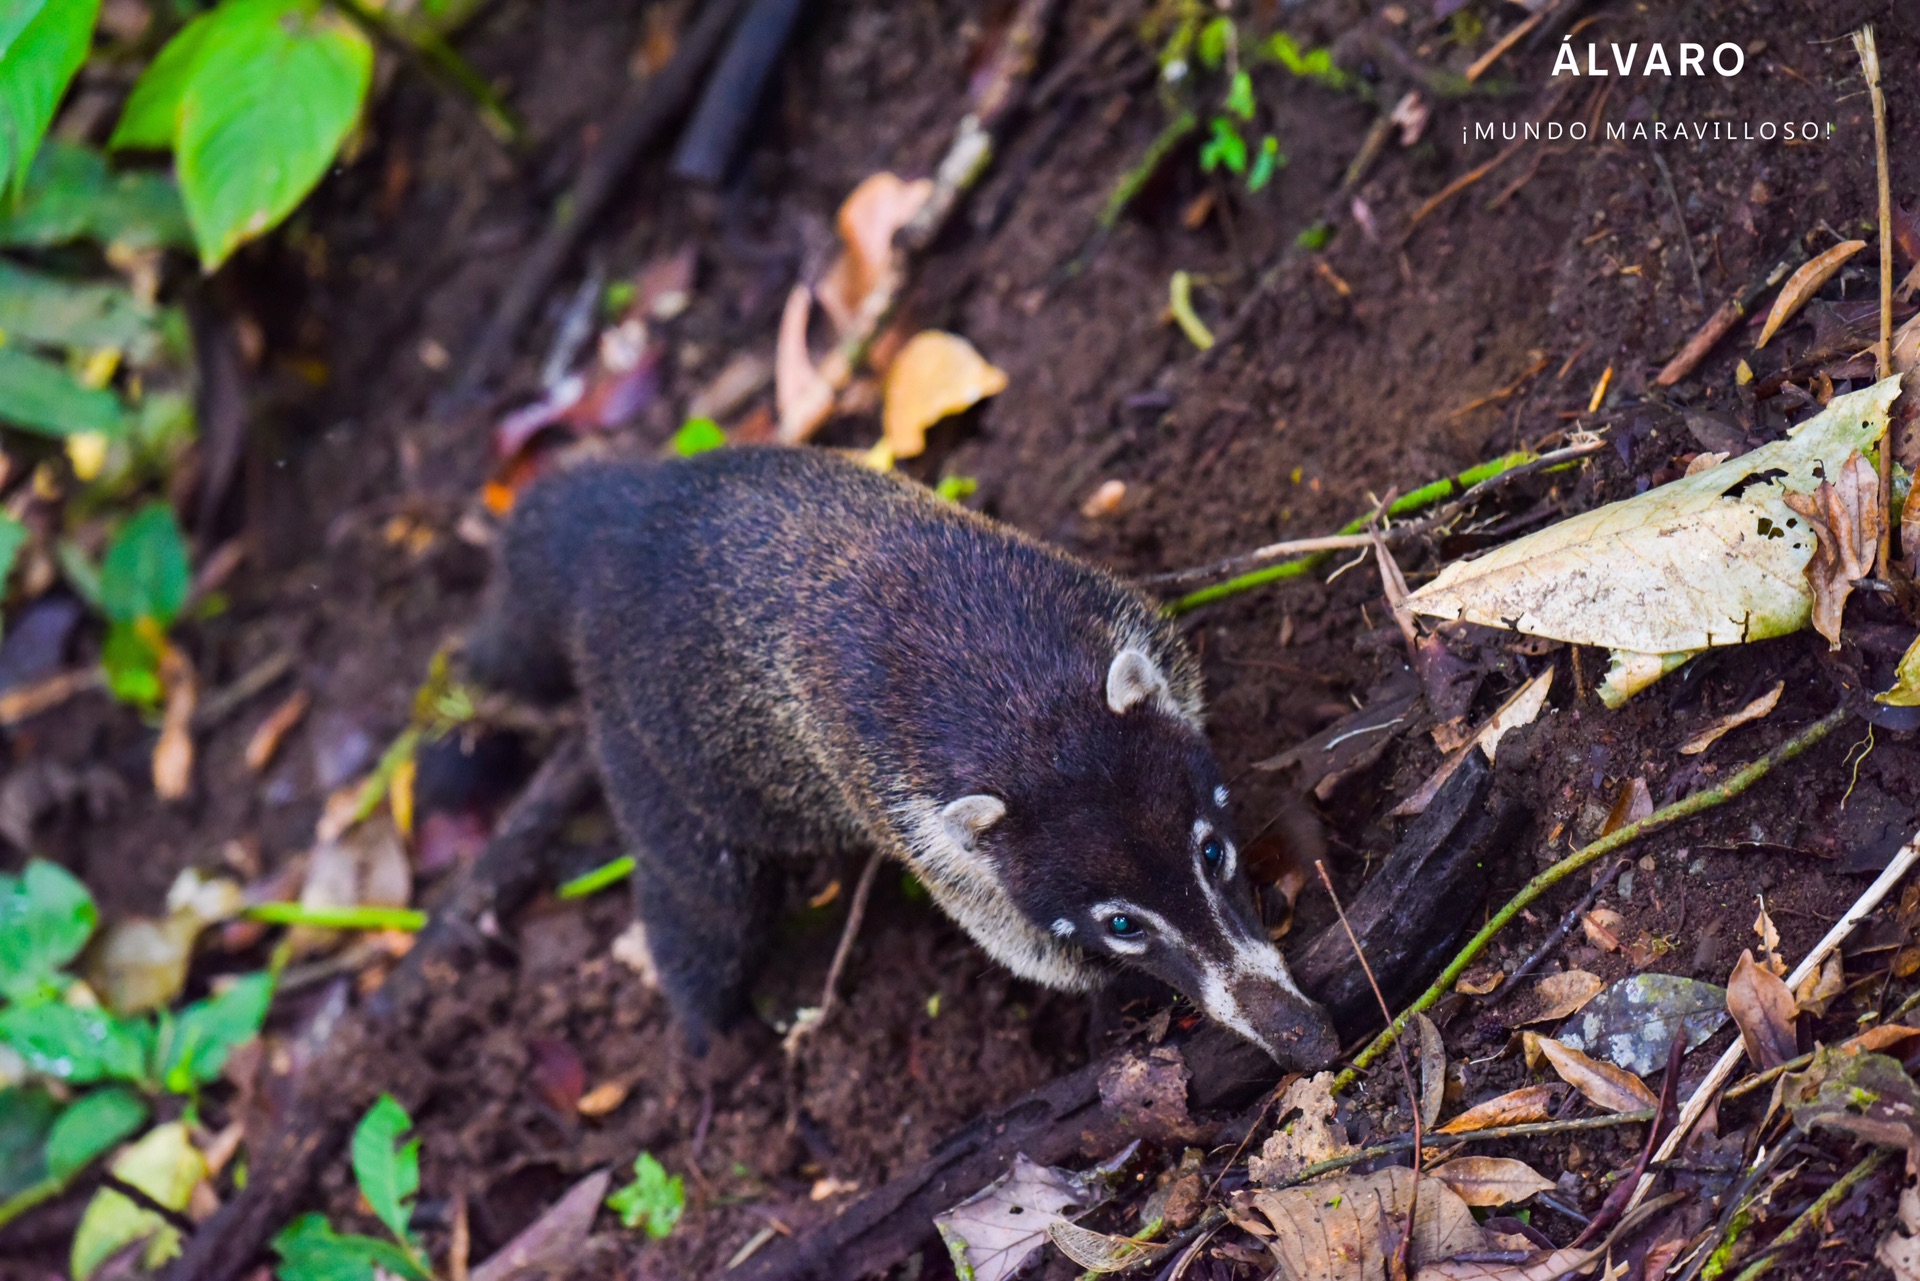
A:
1553, 940
856, 912
1813, 1215
1666, 816
1869, 51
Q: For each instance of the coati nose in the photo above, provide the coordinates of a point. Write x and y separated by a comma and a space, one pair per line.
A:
1294, 1030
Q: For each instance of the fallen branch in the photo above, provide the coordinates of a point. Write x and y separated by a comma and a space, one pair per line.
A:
1722, 321
1664, 817
349, 1070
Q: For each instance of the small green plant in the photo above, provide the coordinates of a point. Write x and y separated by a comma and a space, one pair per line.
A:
86, 1077
697, 436
654, 1201
140, 587
956, 489
388, 1173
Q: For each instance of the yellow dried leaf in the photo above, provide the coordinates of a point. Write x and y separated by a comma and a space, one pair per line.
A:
1484, 1181
1804, 284
1602, 927
935, 375
1906, 677
173, 753
802, 395
1609, 1088
1518, 1107
1553, 998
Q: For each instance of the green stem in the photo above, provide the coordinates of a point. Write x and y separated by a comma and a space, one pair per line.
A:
1813, 1214
338, 918
1698, 803
1423, 497
1135, 179
598, 879
441, 58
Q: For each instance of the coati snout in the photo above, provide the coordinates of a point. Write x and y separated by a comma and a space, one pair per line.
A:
783, 654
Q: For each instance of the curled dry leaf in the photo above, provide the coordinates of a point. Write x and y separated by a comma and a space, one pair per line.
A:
1634, 803
1906, 678
1552, 998
1480, 980
1523, 708
1433, 1070
1804, 284
1753, 711
1305, 1132
1602, 927
870, 217
935, 375
1712, 559
1484, 1181
1764, 1010
1346, 1229
1100, 1253
1846, 519
1825, 983
1517, 1107
1769, 935
1607, 1087
173, 753
267, 736
801, 394
993, 1233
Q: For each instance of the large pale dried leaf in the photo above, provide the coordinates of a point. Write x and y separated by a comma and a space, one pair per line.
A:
1484, 1181
1846, 518
1517, 1107
802, 395
1764, 1009
1100, 1253
1306, 1132
1433, 1070
993, 1233
935, 375
366, 867
1553, 997
1906, 677
1632, 1024
1716, 558
1804, 284
1900, 1248
1753, 711
869, 218
1347, 1229
1607, 1087
553, 1240
138, 963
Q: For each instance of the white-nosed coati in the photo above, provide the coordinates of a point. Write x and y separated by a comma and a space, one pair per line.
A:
783, 653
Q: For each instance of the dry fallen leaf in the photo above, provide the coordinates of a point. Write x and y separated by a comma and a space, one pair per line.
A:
1552, 998
1764, 1009
935, 375
554, 1240
802, 395
1900, 1248
1433, 1070
1305, 1131
602, 1098
1825, 983
1484, 1181
1804, 284
1346, 1229
997, 1229
1634, 803
1846, 522
1607, 1087
1523, 708
1105, 500
1753, 711
1480, 980
365, 867
1906, 677
266, 738
870, 217
173, 753
1517, 1107
1602, 927
1769, 935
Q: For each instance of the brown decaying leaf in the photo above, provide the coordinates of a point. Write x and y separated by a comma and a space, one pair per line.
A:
266, 737
1347, 1229
1433, 1070
1910, 526
1764, 1009
1877, 1040
1602, 927
1552, 998
1804, 284
173, 754
1607, 1087
1306, 1131
1753, 711
802, 395
1521, 709
1523, 1106
1769, 935
1823, 985
1480, 980
1484, 1181
557, 1073
1846, 522
869, 218
935, 375
603, 1098
1634, 803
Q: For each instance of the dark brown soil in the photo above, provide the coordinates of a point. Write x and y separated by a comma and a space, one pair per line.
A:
1353, 379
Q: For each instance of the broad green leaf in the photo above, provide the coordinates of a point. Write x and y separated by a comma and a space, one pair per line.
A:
44, 397
167, 1167
276, 87
92, 1125
387, 1170
71, 195
27, 1113
74, 1045
1214, 41
145, 573
1906, 681
310, 1250
151, 118
196, 1043
46, 917
53, 311
13, 536
132, 665
697, 436
42, 43
654, 1200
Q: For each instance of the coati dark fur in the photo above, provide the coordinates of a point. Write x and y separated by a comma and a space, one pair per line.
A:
783, 653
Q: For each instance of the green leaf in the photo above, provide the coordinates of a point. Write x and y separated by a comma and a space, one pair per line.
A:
310, 1250
956, 488
27, 1114
166, 1166
13, 536
1215, 39
1240, 95
653, 1201
697, 436
71, 195
88, 316
132, 665
151, 118
195, 1044
92, 1125
42, 43
43, 396
145, 573
273, 93
46, 917
1224, 147
387, 1170
75, 1045
1266, 163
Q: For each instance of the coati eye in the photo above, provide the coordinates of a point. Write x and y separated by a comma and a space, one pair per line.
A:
1123, 925
1213, 852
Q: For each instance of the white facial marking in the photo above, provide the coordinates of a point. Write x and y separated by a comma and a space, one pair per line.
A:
1220, 796
1201, 831
1063, 928
1217, 999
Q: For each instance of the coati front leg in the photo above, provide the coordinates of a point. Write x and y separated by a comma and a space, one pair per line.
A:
704, 902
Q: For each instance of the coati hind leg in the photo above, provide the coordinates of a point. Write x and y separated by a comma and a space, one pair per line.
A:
705, 904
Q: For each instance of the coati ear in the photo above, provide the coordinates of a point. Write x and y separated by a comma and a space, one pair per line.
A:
969, 816
1133, 678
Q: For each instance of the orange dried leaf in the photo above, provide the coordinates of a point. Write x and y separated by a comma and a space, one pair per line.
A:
1485, 1181
935, 375
1553, 998
266, 737
1753, 711
1804, 284
1845, 517
1764, 1009
173, 754
1602, 927
870, 217
803, 395
1518, 1107
1610, 1088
